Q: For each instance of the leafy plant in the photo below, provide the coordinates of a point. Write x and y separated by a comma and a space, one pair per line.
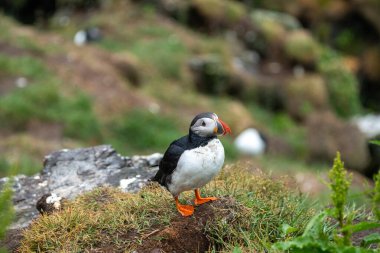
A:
376, 196
376, 190
339, 184
322, 234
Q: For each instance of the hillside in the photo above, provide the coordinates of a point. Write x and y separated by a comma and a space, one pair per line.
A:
146, 63
89, 96
303, 75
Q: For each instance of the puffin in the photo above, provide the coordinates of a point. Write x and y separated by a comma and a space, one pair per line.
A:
191, 161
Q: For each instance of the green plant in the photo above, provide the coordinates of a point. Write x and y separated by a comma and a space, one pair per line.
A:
6, 209
339, 185
321, 234
376, 196
376, 189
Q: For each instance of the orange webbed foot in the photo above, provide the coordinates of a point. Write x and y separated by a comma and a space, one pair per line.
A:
184, 210
199, 200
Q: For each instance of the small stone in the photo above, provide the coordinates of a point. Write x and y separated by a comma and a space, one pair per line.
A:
124, 183
43, 184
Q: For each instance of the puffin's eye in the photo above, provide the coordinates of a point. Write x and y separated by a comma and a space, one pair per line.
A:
203, 123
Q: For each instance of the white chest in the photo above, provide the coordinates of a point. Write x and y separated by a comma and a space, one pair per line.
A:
197, 167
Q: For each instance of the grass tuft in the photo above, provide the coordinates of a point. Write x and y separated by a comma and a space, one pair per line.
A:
107, 217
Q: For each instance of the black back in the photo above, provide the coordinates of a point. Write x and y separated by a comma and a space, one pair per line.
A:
170, 160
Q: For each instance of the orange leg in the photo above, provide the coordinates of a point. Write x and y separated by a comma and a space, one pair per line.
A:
185, 210
199, 200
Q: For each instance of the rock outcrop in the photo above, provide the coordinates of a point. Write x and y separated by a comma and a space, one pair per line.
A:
69, 173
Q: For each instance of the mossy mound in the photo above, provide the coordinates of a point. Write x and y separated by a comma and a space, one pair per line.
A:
301, 47
249, 214
305, 95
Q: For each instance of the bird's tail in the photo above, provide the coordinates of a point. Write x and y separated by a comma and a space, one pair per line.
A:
156, 177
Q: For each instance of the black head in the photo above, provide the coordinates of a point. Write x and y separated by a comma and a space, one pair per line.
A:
207, 124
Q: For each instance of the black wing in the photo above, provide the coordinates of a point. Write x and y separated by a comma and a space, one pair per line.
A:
170, 160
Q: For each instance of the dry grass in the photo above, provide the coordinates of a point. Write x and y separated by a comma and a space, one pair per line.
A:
109, 219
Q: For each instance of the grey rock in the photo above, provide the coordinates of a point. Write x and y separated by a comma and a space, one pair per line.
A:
69, 173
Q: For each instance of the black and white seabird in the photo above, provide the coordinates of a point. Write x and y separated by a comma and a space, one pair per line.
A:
193, 160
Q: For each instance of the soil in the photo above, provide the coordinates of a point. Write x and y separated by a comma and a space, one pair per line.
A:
187, 234
357, 237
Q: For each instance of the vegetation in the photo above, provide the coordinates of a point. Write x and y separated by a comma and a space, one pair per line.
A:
6, 209
241, 47
376, 196
339, 184
342, 85
322, 234
41, 100
105, 216
138, 129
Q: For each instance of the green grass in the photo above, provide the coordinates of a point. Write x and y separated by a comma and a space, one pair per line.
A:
6, 210
25, 164
27, 66
142, 131
104, 216
41, 99
166, 54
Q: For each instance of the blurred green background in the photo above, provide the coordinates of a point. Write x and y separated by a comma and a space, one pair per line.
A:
304, 73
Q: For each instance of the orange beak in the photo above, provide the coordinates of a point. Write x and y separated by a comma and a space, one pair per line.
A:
223, 128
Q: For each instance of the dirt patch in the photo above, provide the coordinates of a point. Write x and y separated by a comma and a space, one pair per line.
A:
7, 84
90, 70
8, 49
358, 236
45, 130
187, 234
